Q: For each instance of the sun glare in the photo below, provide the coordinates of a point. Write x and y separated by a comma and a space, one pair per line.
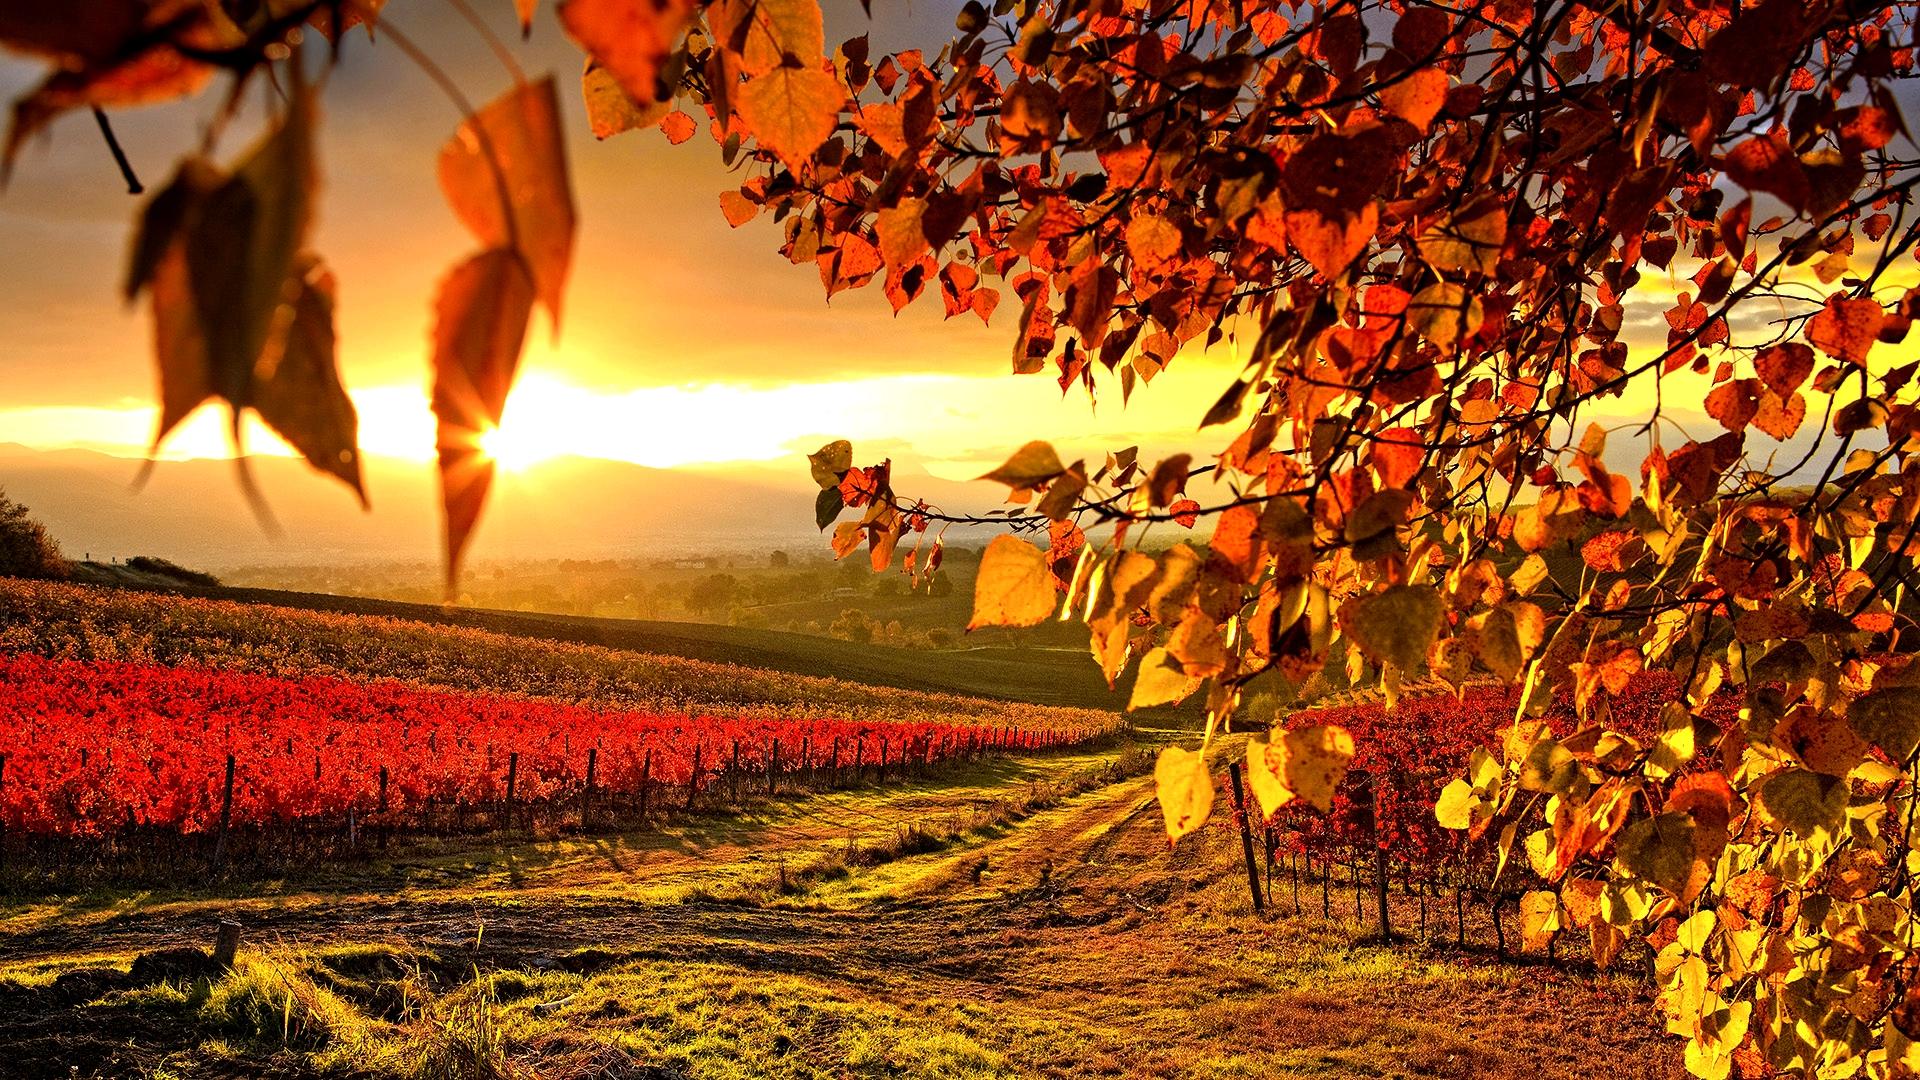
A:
516, 446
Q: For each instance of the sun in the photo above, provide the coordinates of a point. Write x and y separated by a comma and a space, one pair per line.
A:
516, 446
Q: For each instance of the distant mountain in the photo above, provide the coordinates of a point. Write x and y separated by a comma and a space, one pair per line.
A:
194, 513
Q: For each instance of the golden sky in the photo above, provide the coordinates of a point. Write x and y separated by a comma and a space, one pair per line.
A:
685, 341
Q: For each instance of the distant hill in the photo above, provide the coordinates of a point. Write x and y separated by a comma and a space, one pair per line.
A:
193, 513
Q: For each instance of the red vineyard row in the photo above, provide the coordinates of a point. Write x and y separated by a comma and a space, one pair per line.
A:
87, 748
1405, 756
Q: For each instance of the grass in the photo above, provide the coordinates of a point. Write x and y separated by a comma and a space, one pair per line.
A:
1013, 918
1024, 920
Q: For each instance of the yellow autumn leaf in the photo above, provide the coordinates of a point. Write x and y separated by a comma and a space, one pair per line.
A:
791, 110
1306, 763
1185, 789
1160, 682
1013, 587
1539, 920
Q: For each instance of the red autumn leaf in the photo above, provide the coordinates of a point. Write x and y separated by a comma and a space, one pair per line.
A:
1784, 367
1846, 329
1185, 511
1864, 128
1734, 403
505, 174
1765, 163
1398, 454
480, 324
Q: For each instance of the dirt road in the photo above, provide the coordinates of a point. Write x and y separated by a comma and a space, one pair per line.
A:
987, 926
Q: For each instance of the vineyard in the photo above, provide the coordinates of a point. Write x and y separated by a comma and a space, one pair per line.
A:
152, 735
1383, 831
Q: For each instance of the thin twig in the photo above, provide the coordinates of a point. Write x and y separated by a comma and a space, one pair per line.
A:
119, 156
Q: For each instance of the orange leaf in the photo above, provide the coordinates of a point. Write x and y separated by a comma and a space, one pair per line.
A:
678, 127
632, 39
738, 208
1331, 243
1764, 163
902, 239
1417, 98
762, 34
610, 109
1784, 367
1152, 241
1846, 329
1397, 456
791, 111
1780, 417
505, 174
480, 325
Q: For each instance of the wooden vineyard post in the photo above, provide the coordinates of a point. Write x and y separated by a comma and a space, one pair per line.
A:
226, 946
1499, 931
1459, 917
380, 808
733, 774
1267, 842
1326, 903
1372, 802
883, 760
773, 767
693, 780
859, 751
513, 777
586, 793
1246, 837
226, 818
806, 758
646, 774
833, 767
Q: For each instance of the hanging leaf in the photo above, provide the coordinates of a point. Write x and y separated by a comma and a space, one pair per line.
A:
1014, 586
1030, 466
1395, 626
792, 110
505, 174
480, 325
610, 109
1417, 97
242, 246
159, 265
299, 393
1184, 787
1470, 239
1304, 763
761, 35
831, 463
632, 39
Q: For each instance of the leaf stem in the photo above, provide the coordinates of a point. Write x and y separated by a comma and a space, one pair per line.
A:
119, 156
452, 90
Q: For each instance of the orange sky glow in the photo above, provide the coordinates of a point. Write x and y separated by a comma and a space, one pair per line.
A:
685, 341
